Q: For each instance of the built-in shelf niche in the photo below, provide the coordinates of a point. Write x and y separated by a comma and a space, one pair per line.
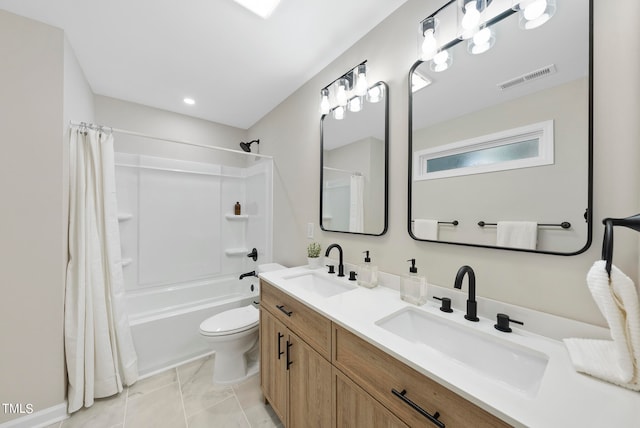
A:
236, 217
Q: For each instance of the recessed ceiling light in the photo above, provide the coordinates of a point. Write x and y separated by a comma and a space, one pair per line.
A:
262, 8
189, 101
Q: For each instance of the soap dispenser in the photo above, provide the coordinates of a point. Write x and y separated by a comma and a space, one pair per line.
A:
413, 287
367, 273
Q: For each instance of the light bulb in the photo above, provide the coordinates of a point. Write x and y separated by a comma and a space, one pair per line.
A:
375, 94
355, 104
341, 95
471, 18
429, 45
482, 41
325, 106
338, 113
535, 9
441, 61
361, 81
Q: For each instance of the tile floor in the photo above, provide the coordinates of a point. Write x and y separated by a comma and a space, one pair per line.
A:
180, 397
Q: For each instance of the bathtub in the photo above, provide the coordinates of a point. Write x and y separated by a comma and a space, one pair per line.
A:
164, 320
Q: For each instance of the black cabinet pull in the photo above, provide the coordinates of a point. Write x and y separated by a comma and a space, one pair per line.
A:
280, 352
433, 418
289, 362
282, 309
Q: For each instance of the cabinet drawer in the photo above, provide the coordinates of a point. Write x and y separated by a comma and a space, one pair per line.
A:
309, 325
378, 373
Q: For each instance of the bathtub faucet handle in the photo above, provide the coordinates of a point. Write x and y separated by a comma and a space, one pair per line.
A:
253, 255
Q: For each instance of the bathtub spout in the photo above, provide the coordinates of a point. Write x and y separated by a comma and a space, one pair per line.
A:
252, 273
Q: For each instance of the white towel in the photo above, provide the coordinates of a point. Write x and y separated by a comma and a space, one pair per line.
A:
425, 229
618, 360
518, 234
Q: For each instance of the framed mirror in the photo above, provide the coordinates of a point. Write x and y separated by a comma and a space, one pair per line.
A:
354, 166
500, 143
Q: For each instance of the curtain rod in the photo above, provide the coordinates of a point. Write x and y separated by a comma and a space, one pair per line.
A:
169, 140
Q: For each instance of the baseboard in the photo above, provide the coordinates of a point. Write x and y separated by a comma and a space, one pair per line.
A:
40, 419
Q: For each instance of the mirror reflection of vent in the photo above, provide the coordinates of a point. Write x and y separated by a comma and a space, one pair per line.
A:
533, 75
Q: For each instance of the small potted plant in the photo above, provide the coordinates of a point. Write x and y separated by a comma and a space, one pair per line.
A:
313, 255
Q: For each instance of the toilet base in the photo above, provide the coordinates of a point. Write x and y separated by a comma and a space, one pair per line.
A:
226, 369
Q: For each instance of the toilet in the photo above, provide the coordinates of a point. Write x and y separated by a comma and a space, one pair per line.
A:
232, 334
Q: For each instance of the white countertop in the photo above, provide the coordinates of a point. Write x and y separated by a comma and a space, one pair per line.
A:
565, 398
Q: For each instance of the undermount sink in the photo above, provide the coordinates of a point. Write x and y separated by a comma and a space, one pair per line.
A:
502, 361
318, 283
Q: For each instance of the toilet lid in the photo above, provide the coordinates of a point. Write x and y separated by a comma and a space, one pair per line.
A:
231, 321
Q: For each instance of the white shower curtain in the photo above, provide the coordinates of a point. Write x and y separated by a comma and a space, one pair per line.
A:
99, 348
356, 204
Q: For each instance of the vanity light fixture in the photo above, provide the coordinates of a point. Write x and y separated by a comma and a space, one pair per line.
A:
338, 113
341, 92
189, 101
474, 22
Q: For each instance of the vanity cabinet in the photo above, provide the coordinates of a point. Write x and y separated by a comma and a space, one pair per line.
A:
380, 375
295, 377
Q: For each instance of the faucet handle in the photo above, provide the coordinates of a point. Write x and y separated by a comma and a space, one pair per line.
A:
446, 304
332, 269
503, 323
352, 275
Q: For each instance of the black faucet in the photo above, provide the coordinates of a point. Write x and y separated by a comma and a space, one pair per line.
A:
472, 305
340, 266
253, 254
252, 273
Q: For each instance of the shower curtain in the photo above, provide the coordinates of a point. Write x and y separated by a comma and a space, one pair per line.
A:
98, 343
356, 208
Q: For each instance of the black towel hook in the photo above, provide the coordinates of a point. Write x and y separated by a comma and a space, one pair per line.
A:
632, 222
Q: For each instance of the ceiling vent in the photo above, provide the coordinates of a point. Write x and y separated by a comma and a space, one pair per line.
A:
533, 75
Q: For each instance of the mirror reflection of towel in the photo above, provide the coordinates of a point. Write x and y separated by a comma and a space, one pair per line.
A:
425, 229
517, 234
356, 204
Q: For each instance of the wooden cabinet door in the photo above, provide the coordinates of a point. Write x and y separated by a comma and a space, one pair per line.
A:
356, 408
273, 370
309, 386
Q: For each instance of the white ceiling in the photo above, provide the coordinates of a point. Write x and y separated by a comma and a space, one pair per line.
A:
236, 65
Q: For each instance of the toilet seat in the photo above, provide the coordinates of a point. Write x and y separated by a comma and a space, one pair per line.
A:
231, 322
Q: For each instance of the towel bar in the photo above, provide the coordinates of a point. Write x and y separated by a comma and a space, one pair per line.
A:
454, 222
564, 224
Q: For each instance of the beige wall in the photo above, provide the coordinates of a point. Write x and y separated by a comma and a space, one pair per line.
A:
553, 284
32, 221
152, 121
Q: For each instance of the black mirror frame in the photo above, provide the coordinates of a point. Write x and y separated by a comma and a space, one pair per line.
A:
589, 211
386, 168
